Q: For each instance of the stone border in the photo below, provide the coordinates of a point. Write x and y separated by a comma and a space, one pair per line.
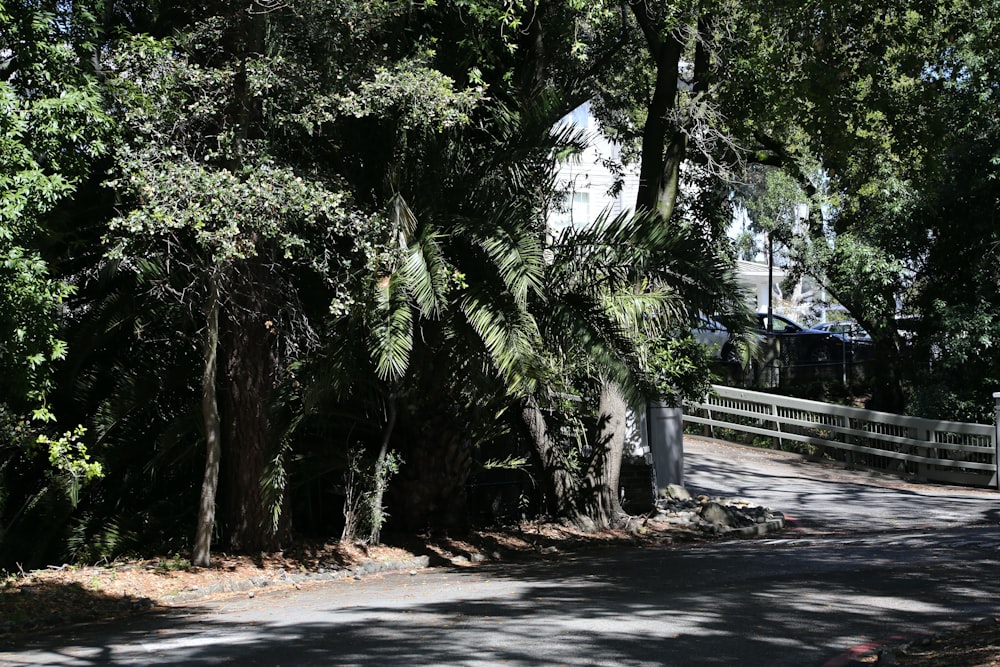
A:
758, 529
287, 579
713, 515
761, 520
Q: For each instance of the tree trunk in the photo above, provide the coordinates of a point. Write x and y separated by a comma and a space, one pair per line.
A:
561, 488
599, 497
660, 164
887, 381
429, 492
251, 367
378, 492
213, 432
887, 384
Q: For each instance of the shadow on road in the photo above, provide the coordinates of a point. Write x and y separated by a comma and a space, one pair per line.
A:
834, 499
777, 604
905, 561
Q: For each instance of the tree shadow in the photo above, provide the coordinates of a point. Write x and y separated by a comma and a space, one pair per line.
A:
741, 602
790, 599
820, 497
34, 605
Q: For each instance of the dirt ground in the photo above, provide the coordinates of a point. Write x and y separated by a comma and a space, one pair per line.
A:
976, 645
66, 594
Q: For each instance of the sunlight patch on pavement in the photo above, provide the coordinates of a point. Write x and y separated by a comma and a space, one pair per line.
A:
786, 642
85, 655
821, 602
193, 642
650, 624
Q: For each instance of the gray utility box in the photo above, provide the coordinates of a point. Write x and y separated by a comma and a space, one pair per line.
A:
665, 435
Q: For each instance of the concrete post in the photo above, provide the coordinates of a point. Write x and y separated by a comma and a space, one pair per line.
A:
665, 425
996, 438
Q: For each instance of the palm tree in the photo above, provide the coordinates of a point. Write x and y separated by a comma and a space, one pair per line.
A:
614, 285
445, 328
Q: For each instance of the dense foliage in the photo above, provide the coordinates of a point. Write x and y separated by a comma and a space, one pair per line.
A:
256, 259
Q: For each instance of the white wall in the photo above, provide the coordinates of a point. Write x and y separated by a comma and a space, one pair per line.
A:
587, 181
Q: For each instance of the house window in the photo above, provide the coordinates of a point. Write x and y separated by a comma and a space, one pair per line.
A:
573, 212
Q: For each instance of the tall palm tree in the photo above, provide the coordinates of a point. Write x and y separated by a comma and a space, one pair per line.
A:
445, 332
613, 285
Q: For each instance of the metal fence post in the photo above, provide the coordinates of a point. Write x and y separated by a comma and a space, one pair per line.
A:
777, 424
996, 438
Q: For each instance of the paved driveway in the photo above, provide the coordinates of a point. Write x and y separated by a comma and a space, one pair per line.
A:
871, 559
824, 497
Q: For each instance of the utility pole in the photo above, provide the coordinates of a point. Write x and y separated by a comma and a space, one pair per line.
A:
770, 283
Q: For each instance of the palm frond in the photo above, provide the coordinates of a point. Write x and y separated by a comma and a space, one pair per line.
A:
583, 322
404, 221
424, 272
508, 333
391, 334
517, 257
646, 311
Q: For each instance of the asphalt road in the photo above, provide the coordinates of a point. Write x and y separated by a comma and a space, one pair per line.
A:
868, 559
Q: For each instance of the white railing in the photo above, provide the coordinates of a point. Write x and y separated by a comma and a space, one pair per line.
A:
941, 451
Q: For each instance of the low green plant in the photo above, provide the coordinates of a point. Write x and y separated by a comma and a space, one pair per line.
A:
509, 463
70, 460
681, 369
364, 483
93, 539
173, 564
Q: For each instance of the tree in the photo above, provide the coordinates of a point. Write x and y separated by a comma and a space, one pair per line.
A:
52, 128
228, 212
563, 68
227, 181
666, 109
955, 288
620, 285
857, 120
466, 205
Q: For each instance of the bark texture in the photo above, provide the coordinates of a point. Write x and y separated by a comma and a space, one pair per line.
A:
560, 486
201, 555
599, 496
375, 535
429, 492
249, 431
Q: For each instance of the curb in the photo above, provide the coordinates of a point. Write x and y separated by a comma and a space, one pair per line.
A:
285, 579
143, 605
420, 562
134, 606
887, 650
756, 530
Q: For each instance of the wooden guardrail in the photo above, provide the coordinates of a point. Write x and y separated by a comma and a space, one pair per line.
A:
931, 450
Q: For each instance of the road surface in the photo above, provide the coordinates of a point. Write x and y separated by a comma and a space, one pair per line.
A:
868, 559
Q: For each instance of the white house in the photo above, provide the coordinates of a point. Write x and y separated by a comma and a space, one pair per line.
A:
755, 278
588, 182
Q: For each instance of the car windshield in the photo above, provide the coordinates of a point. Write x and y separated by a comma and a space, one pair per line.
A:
845, 328
781, 324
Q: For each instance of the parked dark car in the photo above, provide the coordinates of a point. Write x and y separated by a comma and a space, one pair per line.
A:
720, 341
857, 343
714, 335
845, 330
800, 345
794, 343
